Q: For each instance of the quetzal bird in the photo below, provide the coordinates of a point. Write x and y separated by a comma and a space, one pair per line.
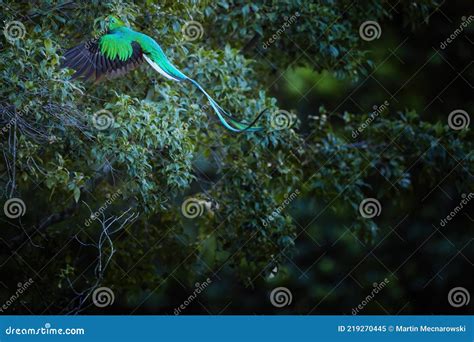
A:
121, 49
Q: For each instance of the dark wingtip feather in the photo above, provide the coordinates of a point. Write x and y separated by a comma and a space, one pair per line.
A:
89, 63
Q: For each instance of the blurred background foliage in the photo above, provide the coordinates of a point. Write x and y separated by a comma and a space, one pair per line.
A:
164, 148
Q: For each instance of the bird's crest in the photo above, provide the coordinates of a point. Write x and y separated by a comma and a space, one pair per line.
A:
112, 22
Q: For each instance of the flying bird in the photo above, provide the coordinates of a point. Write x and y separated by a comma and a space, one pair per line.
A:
121, 49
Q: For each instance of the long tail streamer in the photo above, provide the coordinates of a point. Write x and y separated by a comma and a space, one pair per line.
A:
161, 64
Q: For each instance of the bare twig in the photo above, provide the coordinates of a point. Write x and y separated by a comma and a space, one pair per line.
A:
105, 251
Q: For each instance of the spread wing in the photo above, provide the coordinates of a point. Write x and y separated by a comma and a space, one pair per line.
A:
108, 57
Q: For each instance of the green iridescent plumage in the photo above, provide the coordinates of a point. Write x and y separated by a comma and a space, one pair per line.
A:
121, 49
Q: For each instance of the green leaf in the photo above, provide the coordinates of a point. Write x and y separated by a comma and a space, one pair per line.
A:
77, 194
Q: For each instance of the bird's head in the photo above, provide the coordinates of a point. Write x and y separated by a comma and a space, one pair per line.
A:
111, 23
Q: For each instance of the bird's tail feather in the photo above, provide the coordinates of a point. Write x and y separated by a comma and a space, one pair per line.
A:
161, 64
226, 119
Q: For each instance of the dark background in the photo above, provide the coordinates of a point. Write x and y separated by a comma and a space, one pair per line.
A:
332, 260
332, 269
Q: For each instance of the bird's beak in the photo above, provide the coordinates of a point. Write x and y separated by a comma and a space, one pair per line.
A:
103, 26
